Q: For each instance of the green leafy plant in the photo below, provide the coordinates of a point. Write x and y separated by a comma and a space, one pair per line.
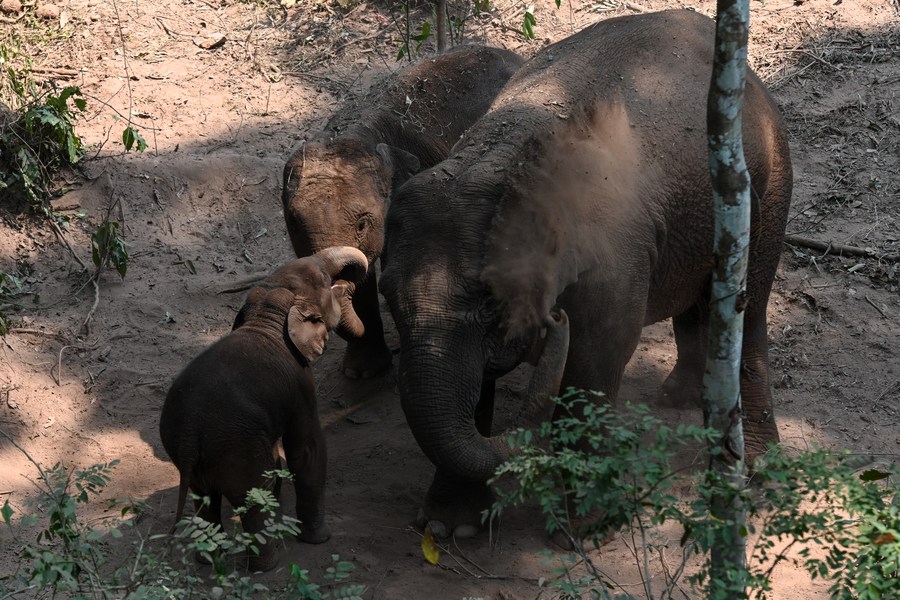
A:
107, 248
38, 139
10, 289
132, 138
72, 556
597, 469
593, 471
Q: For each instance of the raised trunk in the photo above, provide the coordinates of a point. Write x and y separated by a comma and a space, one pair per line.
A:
440, 386
346, 266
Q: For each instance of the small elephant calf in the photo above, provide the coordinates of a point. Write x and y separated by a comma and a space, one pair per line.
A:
228, 408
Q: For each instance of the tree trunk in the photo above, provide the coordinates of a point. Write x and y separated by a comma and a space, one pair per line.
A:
731, 199
440, 23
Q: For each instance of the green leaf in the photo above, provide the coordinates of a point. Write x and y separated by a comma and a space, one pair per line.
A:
425, 34
873, 475
132, 139
6, 512
528, 23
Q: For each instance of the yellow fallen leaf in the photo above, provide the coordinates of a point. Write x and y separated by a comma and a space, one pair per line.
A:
429, 549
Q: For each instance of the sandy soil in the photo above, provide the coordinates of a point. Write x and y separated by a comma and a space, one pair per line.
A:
220, 123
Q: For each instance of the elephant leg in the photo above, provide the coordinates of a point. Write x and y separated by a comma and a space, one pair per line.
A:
683, 388
209, 507
306, 455
756, 394
368, 355
237, 474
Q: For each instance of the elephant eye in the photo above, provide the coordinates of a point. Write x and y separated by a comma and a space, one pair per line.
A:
363, 223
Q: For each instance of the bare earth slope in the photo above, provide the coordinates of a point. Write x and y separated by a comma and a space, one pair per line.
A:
202, 212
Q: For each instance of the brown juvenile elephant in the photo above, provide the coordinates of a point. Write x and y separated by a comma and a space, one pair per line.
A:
586, 187
336, 185
227, 409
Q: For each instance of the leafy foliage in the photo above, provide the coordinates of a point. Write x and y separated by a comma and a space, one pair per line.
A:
74, 557
11, 288
596, 470
37, 135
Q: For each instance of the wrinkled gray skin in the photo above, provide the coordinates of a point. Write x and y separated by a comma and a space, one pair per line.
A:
585, 187
228, 408
336, 185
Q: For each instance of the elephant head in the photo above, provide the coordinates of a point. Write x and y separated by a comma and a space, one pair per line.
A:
335, 193
455, 336
317, 293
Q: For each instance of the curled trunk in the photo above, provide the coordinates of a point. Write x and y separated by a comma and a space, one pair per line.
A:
440, 386
346, 266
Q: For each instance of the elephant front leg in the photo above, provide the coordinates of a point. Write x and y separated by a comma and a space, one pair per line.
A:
368, 355
453, 506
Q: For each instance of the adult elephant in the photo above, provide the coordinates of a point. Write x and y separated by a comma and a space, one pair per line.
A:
585, 188
336, 185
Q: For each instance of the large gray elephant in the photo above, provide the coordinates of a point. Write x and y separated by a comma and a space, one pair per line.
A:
586, 187
228, 408
336, 184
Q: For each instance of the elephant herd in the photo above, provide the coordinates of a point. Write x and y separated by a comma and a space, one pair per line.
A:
541, 211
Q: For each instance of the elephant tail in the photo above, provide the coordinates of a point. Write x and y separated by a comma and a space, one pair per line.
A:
184, 481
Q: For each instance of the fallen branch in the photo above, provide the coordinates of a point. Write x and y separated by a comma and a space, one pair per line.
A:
838, 249
86, 326
53, 71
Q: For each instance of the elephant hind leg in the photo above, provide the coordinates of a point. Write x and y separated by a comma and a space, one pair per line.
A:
683, 388
756, 393
307, 458
209, 506
239, 474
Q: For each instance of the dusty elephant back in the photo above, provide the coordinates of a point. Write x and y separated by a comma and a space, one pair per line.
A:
425, 107
616, 157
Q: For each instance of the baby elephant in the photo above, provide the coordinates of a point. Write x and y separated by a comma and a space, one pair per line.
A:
228, 408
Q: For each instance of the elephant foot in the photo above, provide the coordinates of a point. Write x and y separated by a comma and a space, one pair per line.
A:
314, 535
453, 507
758, 435
679, 392
364, 359
266, 560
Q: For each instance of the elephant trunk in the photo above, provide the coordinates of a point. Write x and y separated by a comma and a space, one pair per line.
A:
440, 388
349, 265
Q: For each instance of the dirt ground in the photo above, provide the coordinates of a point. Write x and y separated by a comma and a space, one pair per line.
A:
220, 123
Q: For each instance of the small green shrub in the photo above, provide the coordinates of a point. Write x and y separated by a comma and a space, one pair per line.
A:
107, 248
597, 470
71, 556
39, 138
11, 288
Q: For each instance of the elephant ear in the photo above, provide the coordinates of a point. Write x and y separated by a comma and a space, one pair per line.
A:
399, 165
307, 331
